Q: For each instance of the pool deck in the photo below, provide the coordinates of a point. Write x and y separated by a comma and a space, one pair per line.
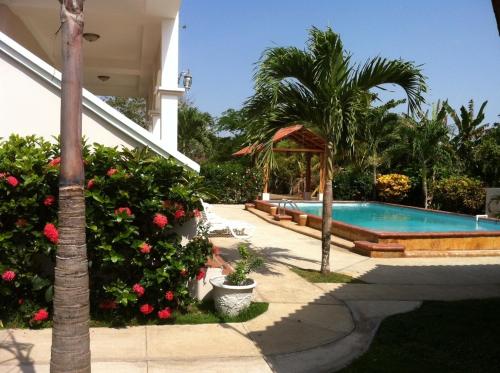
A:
308, 328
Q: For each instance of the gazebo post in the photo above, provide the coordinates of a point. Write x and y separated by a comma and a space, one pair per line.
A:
307, 188
265, 192
321, 176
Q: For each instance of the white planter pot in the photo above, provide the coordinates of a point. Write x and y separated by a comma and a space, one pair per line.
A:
230, 300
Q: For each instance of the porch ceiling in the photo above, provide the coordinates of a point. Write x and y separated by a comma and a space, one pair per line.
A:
127, 51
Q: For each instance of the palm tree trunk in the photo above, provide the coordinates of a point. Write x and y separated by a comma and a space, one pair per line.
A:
374, 182
424, 186
70, 334
327, 214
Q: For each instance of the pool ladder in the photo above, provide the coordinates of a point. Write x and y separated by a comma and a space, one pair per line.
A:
282, 208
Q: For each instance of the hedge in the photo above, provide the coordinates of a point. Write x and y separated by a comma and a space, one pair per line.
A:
134, 199
460, 194
231, 182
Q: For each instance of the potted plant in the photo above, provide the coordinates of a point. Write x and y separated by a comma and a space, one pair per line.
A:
233, 293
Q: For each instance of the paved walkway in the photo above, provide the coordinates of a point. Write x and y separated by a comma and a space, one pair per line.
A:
308, 328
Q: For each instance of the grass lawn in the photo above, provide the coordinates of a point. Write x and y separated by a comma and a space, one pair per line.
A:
441, 337
200, 313
332, 277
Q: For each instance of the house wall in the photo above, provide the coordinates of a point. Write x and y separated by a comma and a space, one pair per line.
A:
29, 105
13, 27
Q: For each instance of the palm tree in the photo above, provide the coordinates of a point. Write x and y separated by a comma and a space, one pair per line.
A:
322, 89
70, 334
378, 133
426, 137
195, 135
469, 129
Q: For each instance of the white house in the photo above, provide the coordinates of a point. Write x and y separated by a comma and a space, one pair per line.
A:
131, 49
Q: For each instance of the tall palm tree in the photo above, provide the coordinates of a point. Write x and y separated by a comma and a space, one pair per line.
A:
321, 88
469, 129
378, 132
70, 333
426, 136
195, 135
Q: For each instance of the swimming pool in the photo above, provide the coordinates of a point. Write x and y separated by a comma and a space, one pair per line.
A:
390, 218
387, 230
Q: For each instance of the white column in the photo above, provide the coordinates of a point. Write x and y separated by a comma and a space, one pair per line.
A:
169, 90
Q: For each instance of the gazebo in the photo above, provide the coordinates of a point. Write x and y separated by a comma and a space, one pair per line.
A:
307, 142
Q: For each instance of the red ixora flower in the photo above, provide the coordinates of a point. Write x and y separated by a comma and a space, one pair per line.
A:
12, 181
146, 309
169, 295
49, 200
145, 248
160, 220
108, 304
111, 171
90, 184
20, 301
55, 162
165, 313
123, 209
21, 223
138, 290
41, 315
197, 213
8, 276
202, 272
179, 214
50, 231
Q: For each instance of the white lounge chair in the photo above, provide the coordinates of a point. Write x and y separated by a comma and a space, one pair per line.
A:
215, 224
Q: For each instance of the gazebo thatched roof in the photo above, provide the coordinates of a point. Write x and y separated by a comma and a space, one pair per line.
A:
307, 141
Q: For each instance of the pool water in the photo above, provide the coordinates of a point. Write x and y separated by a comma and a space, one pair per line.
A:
386, 218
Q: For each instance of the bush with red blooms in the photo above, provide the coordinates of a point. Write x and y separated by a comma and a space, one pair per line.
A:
136, 257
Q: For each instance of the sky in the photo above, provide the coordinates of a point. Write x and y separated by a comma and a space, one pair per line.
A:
456, 41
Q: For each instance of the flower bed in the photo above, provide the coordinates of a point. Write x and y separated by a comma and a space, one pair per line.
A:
134, 201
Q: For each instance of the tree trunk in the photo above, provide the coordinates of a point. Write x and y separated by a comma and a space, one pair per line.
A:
424, 186
327, 214
374, 182
70, 334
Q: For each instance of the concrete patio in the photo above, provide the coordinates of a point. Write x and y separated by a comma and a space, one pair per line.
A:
308, 327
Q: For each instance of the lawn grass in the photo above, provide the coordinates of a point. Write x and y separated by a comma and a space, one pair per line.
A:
440, 337
332, 277
199, 313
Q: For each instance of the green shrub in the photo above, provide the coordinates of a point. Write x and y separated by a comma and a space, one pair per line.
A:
349, 185
231, 182
134, 199
393, 187
460, 194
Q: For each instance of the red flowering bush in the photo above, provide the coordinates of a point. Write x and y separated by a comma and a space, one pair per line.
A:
169, 295
49, 200
50, 231
165, 313
146, 309
41, 315
8, 276
12, 181
137, 258
138, 290
160, 220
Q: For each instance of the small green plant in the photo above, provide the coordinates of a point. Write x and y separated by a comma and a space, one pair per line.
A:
248, 263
